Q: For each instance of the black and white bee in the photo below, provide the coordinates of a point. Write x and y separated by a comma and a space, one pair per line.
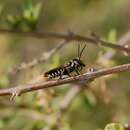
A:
75, 65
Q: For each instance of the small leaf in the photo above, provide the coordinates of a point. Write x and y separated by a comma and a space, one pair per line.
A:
14, 21
37, 11
31, 13
112, 36
114, 126
28, 4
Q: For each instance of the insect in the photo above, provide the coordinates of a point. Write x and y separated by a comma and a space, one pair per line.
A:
75, 65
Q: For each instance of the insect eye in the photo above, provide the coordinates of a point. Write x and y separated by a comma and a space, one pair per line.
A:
83, 65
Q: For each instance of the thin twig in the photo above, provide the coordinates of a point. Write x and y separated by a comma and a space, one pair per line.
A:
18, 90
70, 36
43, 58
64, 106
69, 97
123, 41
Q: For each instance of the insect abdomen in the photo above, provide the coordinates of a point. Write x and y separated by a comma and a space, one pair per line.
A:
57, 72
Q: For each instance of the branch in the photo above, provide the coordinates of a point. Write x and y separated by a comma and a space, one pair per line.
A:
43, 58
69, 97
18, 90
64, 106
70, 36
123, 41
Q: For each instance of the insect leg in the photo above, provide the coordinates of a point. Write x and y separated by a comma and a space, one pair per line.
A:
67, 72
80, 68
77, 71
60, 77
69, 75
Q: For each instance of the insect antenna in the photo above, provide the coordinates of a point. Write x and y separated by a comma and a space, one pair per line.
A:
82, 51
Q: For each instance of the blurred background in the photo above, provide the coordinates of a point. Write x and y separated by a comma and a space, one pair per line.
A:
106, 100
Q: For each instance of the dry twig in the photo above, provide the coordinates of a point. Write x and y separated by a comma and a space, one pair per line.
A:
43, 58
18, 90
70, 36
64, 106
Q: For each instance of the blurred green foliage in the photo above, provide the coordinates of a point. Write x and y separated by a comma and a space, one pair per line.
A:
29, 17
114, 126
108, 98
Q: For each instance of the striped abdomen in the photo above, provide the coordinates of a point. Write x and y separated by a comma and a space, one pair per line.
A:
57, 72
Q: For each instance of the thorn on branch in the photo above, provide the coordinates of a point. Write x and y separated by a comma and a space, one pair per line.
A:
96, 38
14, 93
127, 126
126, 52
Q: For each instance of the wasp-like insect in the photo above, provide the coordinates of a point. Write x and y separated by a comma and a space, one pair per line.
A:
75, 65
